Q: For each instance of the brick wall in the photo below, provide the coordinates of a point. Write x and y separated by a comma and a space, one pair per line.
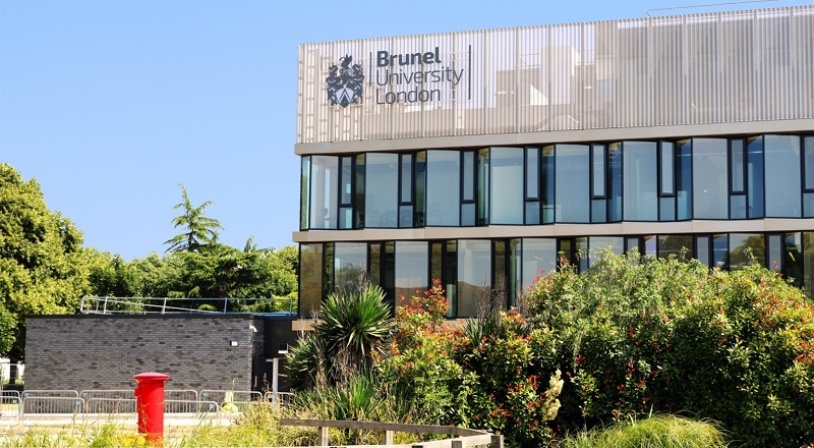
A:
104, 352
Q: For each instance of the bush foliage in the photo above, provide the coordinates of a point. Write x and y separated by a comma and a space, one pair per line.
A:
647, 334
627, 338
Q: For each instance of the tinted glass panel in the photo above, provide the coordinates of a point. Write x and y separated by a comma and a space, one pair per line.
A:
598, 170
684, 181
305, 192
736, 165
474, 276
640, 180
808, 263
310, 289
443, 188
615, 182
667, 172
350, 264
793, 258
720, 251
775, 245
324, 192
412, 268
539, 259
710, 187
744, 248
679, 246
572, 184
532, 169
507, 186
346, 181
782, 162
754, 178
599, 244
381, 184
406, 178
808, 205
808, 163
468, 176
547, 184
702, 250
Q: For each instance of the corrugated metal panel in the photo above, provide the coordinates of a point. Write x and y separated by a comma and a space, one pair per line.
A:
693, 69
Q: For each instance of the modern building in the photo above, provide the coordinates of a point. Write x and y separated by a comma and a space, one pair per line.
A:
482, 158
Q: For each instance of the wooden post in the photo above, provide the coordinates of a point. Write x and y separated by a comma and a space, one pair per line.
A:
497, 441
387, 438
323, 436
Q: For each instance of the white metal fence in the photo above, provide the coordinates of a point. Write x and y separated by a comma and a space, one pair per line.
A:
34, 406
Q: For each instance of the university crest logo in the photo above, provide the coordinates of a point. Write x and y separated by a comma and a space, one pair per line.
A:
344, 82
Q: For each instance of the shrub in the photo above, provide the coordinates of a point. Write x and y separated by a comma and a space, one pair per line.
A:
643, 334
655, 432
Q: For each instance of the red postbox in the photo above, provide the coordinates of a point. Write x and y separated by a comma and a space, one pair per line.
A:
150, 405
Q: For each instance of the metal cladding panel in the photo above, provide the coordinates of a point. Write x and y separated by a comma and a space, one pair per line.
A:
655, 71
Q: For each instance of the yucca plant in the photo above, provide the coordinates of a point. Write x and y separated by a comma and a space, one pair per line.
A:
353, 327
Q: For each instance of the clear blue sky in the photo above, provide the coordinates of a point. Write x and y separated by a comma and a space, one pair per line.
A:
110, 105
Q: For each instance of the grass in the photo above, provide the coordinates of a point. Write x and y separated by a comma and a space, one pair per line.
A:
663, 431
259, 426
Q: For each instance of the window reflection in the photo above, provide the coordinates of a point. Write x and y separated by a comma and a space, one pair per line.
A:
474, 275
507, 185
381, 185
572, 184
412, 268
782, 177
709, 178
640, 181
443, 188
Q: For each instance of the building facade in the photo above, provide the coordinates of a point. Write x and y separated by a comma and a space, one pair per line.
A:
483, 158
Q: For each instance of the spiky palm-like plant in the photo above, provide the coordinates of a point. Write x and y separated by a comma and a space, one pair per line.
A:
354, 326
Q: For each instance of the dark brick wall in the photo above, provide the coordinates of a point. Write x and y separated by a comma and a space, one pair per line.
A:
104, 352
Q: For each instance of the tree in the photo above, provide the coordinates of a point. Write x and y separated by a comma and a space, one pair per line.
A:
43, 267
201, 230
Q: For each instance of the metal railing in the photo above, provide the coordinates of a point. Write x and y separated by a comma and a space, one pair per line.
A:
58, 405
276, 306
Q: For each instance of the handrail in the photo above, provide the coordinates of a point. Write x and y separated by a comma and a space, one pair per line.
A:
159, 305
462, 436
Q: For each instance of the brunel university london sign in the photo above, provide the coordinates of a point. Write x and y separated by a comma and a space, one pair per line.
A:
400, 78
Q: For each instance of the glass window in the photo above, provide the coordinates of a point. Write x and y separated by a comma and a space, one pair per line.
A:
532, 169
507, 186
443, 188
684, 181
679, 246
640, 179
666, 170
539, 258
782, 177
346, 181
793, 258
474, 275
744, 248
483, 187
736, 165
775, 249
808, 263
350, 265
720, 251
615, 182
420, 188
381, 184
412, 269
808, 162
305, 192
406, 178
468, 176
598, 244
702, 250
711, 195
547, 184
572, 184
598, 171
310, 289
754, 178
324, 192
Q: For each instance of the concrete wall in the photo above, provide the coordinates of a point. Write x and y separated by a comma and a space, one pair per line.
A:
104, 352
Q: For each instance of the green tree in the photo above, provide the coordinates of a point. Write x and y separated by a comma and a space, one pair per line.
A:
43, 267
200, 230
